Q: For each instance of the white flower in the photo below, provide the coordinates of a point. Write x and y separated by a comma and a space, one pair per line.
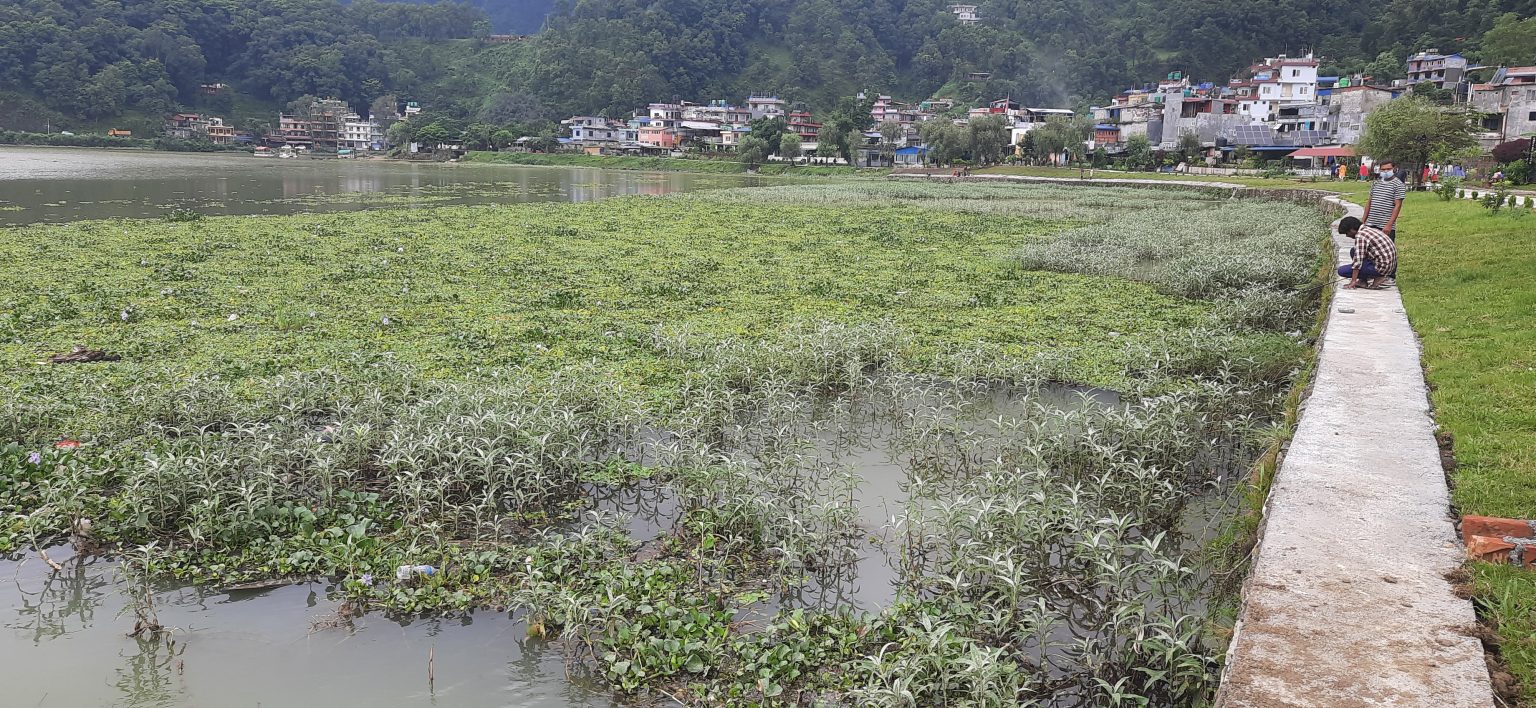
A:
232, 317
125, 315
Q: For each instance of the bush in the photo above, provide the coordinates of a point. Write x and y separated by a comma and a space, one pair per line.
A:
1520, 172
1494, 201
1448, 188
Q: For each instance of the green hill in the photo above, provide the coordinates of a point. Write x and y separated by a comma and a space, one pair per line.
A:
99, 62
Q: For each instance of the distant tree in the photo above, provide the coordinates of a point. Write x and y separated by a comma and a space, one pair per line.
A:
302, 106
479, 136
1415, 132
1431, 91
1385, 68
789, 146
384, 109
503, 139
401, 133
988, 138
825, 147
769, 128
1063, 135
946, 141
1026, 146
1138, 152
847, 124
435, 133
754, 150
1510, 42
1189, 145
1511, 151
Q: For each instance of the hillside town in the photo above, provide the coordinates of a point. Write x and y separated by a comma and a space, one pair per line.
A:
1278, 107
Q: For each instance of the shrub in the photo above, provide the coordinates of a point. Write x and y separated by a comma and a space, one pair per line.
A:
1448, 188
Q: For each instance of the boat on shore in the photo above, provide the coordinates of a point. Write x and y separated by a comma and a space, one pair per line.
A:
263, 151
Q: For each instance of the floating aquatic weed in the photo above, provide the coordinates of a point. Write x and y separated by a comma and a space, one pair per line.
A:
544, 355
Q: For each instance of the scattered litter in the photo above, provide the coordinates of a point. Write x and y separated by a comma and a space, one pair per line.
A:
1347, 310
406, 572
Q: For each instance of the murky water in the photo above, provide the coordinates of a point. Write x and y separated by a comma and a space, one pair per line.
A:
39, 184
63, 642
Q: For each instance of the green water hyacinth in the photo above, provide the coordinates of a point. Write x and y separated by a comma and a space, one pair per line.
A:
864, 444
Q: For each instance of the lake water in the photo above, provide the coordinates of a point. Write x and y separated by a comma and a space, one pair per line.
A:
41, 184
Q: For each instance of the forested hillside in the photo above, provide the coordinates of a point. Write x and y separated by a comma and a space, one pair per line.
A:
600, 53
92, 60
511, 16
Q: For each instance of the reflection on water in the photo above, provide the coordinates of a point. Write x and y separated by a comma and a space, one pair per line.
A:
64, 184
63, 642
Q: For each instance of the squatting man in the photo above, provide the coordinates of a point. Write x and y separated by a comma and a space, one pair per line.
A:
1372, 259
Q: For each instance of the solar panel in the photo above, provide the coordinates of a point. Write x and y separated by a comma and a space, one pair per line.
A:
1252, 135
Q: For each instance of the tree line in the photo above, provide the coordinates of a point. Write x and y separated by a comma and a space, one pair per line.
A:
94, 59
98, 58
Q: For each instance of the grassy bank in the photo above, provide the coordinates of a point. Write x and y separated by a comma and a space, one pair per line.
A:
664, 164
1346, 187
1467, 284
469, 388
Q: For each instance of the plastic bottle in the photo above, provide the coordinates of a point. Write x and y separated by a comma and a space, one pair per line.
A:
406, 572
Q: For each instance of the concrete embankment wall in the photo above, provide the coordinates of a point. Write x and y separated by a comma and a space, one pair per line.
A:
1349, 603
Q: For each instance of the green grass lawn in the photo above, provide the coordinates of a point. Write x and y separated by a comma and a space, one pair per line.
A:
1469, 283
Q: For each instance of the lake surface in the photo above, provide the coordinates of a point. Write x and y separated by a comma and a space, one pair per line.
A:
64, 642
42, 184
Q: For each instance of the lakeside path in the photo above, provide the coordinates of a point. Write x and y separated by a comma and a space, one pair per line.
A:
1348, 602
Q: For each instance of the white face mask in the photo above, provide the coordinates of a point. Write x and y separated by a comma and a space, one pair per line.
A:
1386, 174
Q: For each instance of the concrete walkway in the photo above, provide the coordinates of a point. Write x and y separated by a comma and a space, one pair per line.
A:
1348, 603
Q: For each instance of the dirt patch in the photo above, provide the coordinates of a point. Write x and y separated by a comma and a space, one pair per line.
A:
1506, 687
82, 355
1447, 442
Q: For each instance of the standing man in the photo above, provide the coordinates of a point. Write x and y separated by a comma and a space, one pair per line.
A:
1384, 205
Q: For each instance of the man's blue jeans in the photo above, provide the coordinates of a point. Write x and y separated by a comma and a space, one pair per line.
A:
1367, 271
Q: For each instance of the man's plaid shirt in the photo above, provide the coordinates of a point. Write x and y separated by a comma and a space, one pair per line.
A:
1374, 246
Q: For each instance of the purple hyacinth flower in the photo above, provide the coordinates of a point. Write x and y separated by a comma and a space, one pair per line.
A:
35, 458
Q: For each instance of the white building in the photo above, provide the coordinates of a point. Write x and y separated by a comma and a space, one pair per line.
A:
588, 131
966, 14
1281, 81
766, 106
359, 134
